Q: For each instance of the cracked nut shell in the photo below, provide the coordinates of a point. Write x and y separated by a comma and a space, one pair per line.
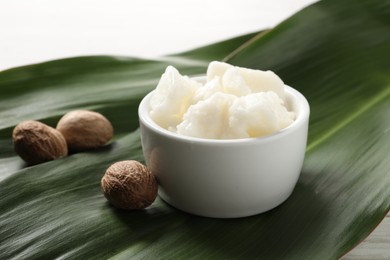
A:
85, 130
129, 185
36, 142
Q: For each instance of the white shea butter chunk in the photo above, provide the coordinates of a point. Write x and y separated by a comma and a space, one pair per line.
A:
172, 97
233, 103
207, 90
258, 114
207, 118
243, 81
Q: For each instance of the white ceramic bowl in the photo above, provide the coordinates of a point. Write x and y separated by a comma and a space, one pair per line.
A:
226, 178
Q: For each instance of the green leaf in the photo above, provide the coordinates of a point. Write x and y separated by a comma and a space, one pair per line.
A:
334, 52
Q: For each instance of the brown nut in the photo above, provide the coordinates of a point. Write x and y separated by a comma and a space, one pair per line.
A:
85, 130
129, 185
36, 142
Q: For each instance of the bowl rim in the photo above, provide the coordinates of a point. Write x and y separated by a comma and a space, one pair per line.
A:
302, 118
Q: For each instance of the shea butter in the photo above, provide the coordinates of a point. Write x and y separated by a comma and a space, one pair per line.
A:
233, 103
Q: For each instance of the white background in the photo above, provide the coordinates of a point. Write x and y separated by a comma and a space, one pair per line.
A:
38, 30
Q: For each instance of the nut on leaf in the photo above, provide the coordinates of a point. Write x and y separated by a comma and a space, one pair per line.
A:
36, 142
85, 130
129, 185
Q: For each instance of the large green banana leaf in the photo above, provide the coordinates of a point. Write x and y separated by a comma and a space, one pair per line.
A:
335, 52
